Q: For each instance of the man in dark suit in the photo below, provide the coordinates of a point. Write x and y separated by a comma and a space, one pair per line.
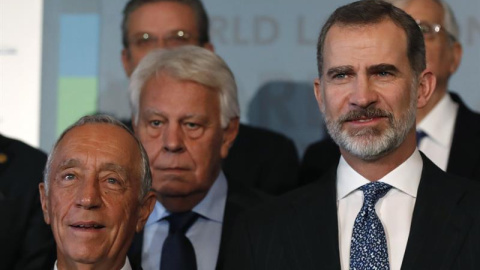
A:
186, 114
26, 242
259, 158
96, 194
450, 140
385, 206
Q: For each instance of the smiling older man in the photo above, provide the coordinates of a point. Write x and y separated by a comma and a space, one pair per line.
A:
96, 194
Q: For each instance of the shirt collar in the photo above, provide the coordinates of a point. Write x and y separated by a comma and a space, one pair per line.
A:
211, 207
440, 119
406, 177
126, 266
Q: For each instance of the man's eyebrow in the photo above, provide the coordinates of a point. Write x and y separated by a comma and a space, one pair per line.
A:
69, 163
339, 70
382, 68
113, 167
152, 111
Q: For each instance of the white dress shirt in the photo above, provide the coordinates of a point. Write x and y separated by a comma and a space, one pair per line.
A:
439, 125
394, 210
205, 234
126, 266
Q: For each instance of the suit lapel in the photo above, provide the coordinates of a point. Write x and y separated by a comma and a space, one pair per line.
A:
231, 211
239, 199
438, 229
313, 235
135, 251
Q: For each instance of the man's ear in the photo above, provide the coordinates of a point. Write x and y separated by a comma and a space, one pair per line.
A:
127, 65
426, 85
134, 125
318, 92
457, 52
209, 46
44, 202
229, 135
146, 209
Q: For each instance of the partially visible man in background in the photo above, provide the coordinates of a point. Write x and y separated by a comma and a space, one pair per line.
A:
26, 242
447, 131
96, 194
259, 158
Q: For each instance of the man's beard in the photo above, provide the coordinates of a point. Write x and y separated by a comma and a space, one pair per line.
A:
371, 143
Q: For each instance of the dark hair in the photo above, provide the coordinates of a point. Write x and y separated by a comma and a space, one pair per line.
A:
195, 5
369, 12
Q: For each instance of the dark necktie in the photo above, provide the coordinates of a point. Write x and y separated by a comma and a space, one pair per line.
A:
368, 249
420, 136
177, 251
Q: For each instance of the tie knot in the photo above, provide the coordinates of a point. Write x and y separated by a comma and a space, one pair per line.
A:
181, 222
374, 191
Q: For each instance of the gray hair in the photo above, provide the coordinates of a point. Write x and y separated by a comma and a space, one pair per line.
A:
196, 5
188, 63
146, 176
449, 21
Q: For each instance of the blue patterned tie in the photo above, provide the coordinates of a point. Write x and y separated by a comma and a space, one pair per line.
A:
368, 249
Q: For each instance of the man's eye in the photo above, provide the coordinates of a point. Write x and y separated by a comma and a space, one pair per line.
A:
384, 73
340, 76
69, 176
112, 180
155, 123
191, 125
145, 40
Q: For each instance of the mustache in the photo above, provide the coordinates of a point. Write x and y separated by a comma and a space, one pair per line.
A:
363, 113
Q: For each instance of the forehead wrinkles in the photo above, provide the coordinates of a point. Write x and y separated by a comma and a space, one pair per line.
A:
81, 146
163, 15
346, 43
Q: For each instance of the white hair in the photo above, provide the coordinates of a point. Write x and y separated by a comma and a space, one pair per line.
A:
449, 20
188, 63
146, 176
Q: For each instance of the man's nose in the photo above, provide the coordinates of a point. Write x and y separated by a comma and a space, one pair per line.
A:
172, 139
89, 194
363, 93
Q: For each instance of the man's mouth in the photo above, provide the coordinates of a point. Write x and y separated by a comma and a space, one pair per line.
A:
87, 225
364, 116
362, 120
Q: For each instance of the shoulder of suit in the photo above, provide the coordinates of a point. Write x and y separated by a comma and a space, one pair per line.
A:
262, 134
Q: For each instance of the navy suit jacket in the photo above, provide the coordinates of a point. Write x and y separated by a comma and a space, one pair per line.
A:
239, 198
300, 230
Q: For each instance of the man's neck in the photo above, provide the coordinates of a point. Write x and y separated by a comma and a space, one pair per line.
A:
438, 94
65, 264
176, 204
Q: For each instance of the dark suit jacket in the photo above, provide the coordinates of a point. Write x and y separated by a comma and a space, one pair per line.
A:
239, 198
261, 159
464, 159
26, 242
300, 230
